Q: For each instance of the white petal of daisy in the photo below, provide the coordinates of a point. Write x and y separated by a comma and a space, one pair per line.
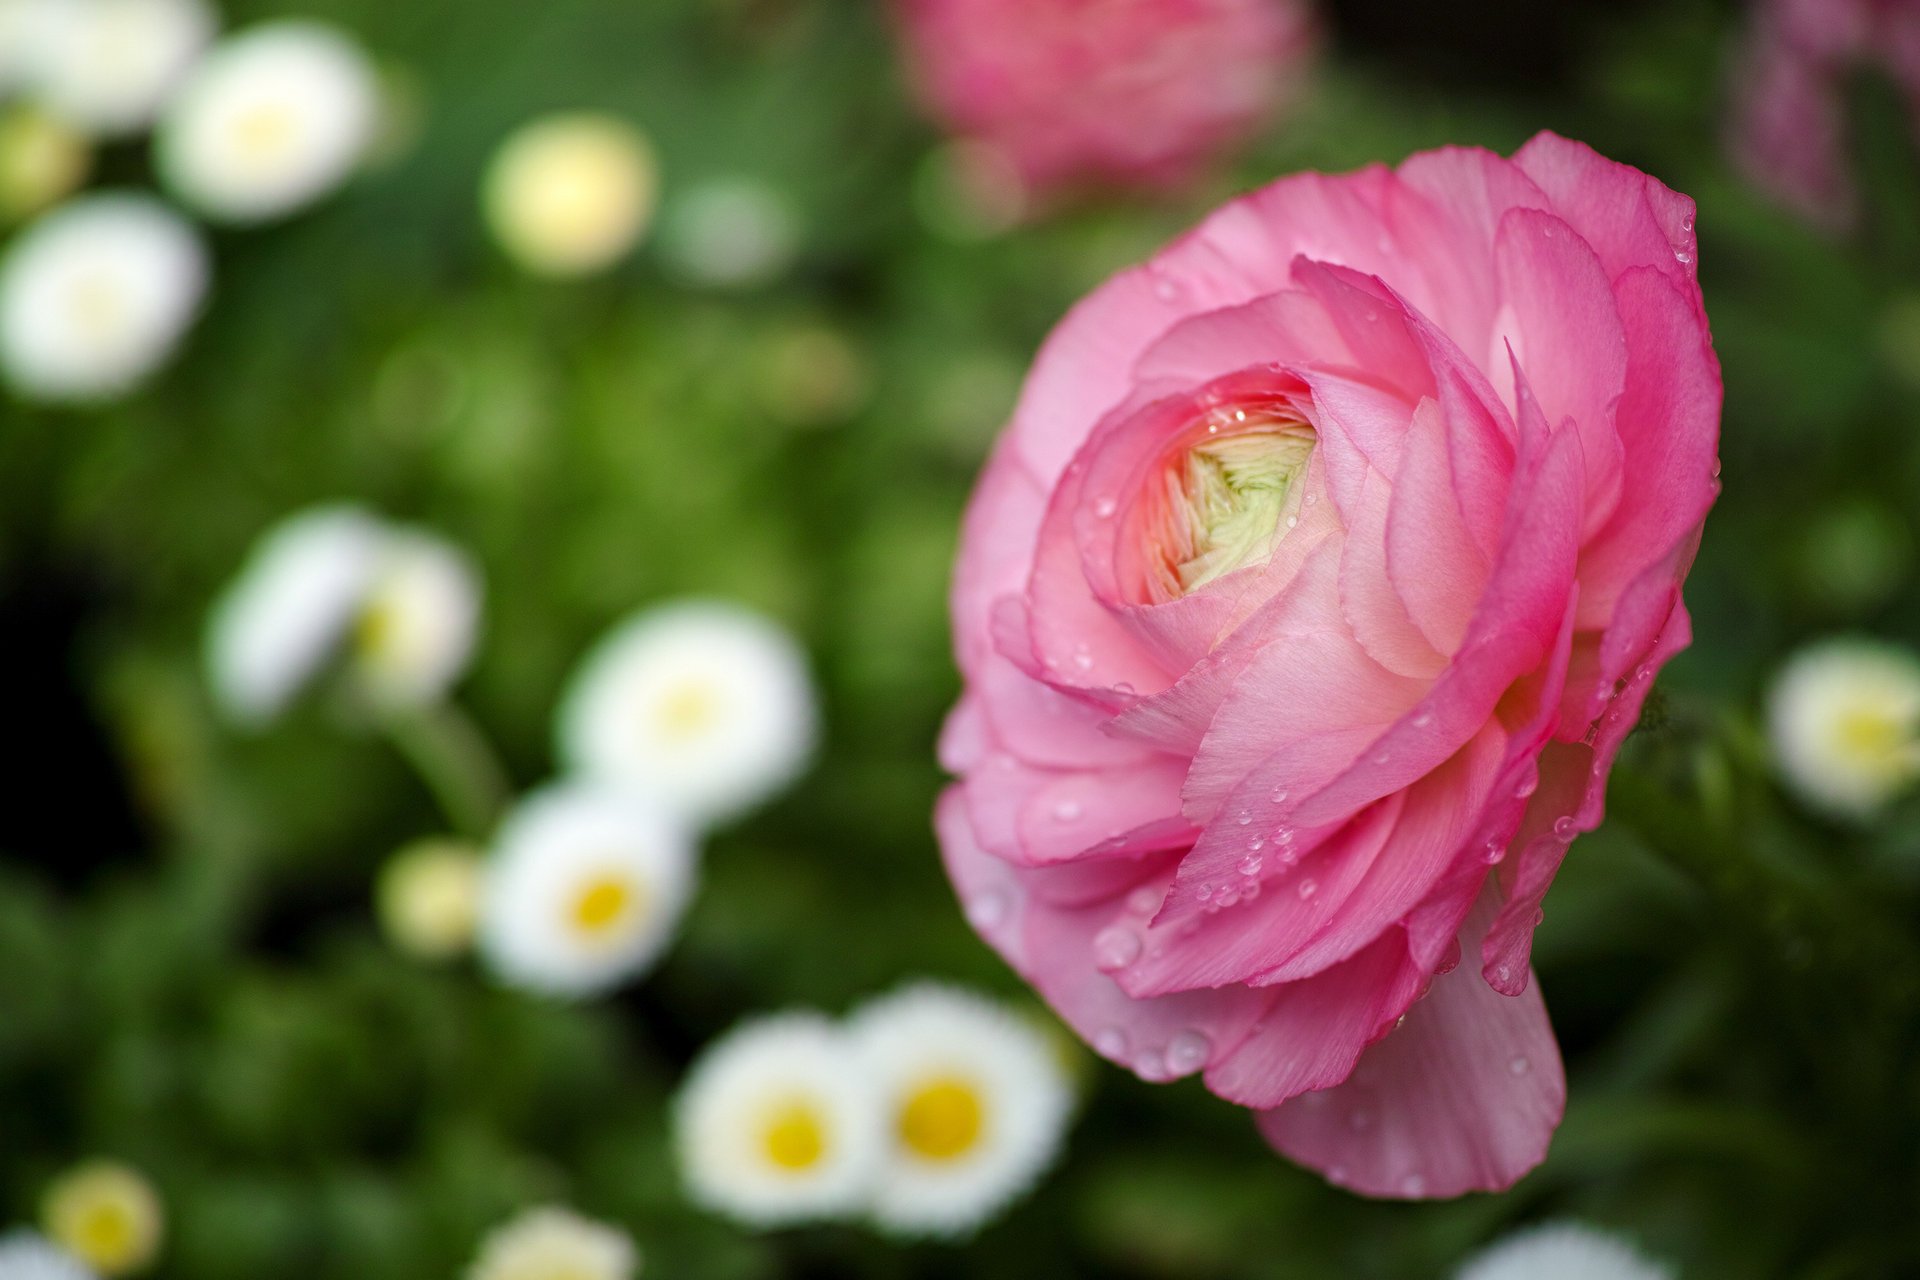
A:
977, 1100
107, 66
570, 194
270, 121
1844, 717
106, 1214
428, 897
95, 296
583, 890
1562, 1251
731, 233
25, 1255
703, 705
415, 627
555, 1244
21, 22
292, 604
776, 1123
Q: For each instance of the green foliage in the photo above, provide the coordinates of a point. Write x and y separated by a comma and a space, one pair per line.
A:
1737, 983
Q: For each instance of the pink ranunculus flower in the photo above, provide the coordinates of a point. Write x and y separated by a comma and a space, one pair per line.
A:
1789, 125
1302, 609
1131, 92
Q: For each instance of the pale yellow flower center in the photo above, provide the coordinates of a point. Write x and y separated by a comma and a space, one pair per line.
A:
262, 133
793, 1136
688, 710
942, 1119
603, 903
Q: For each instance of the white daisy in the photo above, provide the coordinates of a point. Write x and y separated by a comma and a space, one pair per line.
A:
25, 1255
703, 705
96, 295
428, 897
293, 602
731, 233
1844, 717
415, 628
270, 121
555, 1244
107, 66
105, 1213
976, 1099
776, 1123
583, 889
570, 194
20, 25
1562, 1251
397, 606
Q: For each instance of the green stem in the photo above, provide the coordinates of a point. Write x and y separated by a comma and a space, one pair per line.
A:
455, 760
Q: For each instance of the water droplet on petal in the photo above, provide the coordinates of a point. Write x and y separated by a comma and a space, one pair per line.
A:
1278, 794
1414, 1185
1227, 897
1244, 818
1111, 1043
1563, 828
1526, 787
1250, 865
1308, 888
1519, 1066
1150, 1065
1166, 290
1422, 720
1188, 1052
987, 910
1067, 811
1145, 900
1504, 973
1204, 892
1105, 508
1493, 852
1115, 947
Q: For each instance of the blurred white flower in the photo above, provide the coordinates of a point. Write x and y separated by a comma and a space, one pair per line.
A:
1844, 718
976, 1099
108, 66
398, 606
19, 35
270, 121
106, 1214
416, 626
1562, 1251
555, 1244
428, 897
731, 233
569, 195
96, 295
703, 705
583, 890
25, 1255
776, 1123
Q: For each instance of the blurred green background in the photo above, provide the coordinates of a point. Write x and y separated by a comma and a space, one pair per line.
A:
190, 976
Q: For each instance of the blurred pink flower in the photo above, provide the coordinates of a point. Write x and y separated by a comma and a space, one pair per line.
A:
1789, 122
1132, 92
1302, 608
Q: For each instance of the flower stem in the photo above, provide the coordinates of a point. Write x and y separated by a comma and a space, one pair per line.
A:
456, 762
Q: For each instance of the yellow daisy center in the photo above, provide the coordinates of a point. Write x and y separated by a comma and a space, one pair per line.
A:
603, 902
687, 711
262, 133
794, 1137
1872, 736
942, 1119
106, 1235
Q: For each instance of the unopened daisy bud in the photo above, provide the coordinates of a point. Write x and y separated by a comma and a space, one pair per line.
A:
428, 897
555, 1244
270, 121
1844, 718
731, 233
26, 1255
107, 1215
583, 890
415, 628
290, 606
107, 66
569, 195
95, 296
976, 1099
705, 706
776, 1123
1562, 1251
42, 161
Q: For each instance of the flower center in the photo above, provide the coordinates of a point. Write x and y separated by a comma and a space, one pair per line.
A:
602, 903
1224, 500
687, 711
106, 1235
942, 1119
263, 133
794, 1137
1876, 739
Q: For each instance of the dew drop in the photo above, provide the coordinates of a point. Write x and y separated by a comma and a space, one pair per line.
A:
1563, 828
1144, 900
1227, 897
1151, 1065
1083, 660
1686, 223
1204, 892
1682, 257
1111, 1043
1383, 757
1105, 508
1519, 1066
987, 910
1239, 415
1360, 1120
1493, 852
1308, 888
1504, 973
1067, 811
1525, 788
1251, 864
1188, 1052
1125, 689
1166, 290
1115, 947
1547, 232
1245, 817
1414, 1185
1277, 795
1422, 720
